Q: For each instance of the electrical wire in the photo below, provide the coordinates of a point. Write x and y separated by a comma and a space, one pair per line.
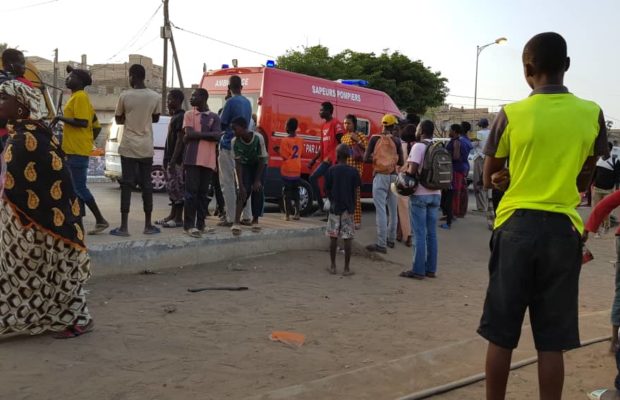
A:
134, 38
479, 98
30, 6
220, 41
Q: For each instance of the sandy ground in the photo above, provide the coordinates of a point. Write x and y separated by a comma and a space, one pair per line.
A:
370, 336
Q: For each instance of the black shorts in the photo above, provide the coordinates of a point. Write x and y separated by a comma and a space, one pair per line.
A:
535, 263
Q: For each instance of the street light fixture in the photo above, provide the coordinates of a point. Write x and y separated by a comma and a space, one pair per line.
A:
479, 49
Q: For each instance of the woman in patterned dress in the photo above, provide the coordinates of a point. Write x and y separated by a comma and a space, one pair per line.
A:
43, 260
358, 142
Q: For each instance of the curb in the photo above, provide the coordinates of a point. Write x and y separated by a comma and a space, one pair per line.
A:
134, 256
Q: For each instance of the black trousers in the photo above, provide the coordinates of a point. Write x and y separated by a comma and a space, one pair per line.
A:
290, 192
197, 181
136, 171
446, 204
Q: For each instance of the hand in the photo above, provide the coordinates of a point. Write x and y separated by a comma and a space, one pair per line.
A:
55, 120
243, 195
501, 180
355, 137
311, 164
584, 237
257, 186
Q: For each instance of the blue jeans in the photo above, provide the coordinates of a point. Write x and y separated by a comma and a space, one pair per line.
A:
382, 196
78, 165
321, 171
423, 211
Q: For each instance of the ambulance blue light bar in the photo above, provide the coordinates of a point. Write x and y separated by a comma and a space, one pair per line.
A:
225, 66
270, 64
353, 82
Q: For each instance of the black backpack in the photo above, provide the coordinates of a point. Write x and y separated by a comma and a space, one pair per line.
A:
435, 173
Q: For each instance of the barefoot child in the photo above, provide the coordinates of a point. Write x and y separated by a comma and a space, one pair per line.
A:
250, 158
290, 150
341, 184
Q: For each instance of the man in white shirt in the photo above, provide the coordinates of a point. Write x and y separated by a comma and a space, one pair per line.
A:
137, 110
482, 200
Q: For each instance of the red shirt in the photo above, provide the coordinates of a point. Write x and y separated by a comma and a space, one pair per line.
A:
329, 141
602, 210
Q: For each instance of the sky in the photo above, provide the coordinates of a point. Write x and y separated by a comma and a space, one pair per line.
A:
443, 34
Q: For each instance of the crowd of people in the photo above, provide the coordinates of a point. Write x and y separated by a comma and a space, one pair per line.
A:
536, 245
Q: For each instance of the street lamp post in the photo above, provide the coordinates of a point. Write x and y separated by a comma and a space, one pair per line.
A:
479, 49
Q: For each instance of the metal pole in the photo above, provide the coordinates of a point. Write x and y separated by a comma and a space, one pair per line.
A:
164, 35
176, 62
55, 76
476, 83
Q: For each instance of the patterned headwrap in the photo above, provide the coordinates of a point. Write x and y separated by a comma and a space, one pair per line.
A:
30, 98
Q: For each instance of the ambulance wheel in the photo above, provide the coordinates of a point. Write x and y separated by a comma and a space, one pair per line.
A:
305, 198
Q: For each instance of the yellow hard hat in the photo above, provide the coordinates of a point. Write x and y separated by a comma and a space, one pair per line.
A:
388, 120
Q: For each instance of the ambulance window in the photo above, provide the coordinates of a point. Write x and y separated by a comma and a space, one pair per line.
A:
363, 125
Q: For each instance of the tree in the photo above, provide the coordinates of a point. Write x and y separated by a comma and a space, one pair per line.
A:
3, 46
412, 85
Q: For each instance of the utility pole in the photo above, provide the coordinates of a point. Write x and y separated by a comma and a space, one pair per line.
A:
165, 34
55, 76
176, 62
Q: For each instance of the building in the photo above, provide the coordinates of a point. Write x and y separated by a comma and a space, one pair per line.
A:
446, 115
108, 82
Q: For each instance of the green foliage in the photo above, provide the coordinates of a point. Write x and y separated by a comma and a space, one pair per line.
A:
3, 46
411, 85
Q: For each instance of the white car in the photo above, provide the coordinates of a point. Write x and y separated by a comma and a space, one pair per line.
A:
113, 159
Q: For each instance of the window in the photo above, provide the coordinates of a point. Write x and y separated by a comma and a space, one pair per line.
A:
363, 125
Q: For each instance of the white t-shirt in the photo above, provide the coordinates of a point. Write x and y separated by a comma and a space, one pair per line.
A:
482, 135
417, 156
138, 106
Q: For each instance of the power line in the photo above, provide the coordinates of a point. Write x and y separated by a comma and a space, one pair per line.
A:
134, 38
30, 6
479, 98
220, 41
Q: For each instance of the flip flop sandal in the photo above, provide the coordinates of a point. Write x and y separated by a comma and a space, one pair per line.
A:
236, 230
118, 232
75, 331
99, 228
256, 229
246, 222
152, 230
195, 233
225, 224
171, 224
208, 230
409, 274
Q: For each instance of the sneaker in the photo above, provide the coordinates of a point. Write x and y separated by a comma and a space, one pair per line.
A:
444, 226
391, 245
376, 248
431, 275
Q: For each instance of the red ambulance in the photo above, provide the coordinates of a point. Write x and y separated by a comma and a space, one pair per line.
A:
277, 95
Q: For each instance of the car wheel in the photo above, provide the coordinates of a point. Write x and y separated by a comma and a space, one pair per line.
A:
158, 179
305, 197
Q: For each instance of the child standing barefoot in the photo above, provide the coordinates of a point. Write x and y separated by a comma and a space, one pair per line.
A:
341, 184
